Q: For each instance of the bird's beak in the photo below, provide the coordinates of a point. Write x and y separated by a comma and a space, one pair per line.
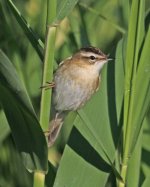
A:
105, 58
109, 59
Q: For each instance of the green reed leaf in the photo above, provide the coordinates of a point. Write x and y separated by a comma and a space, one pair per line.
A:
31, 35
64, 7
25, 128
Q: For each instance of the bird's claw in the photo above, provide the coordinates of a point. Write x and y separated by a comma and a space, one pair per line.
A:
47, 133
48, 85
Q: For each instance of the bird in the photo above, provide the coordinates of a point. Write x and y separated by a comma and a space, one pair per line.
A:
74, 82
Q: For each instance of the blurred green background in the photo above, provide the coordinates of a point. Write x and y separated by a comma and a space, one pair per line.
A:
99, 23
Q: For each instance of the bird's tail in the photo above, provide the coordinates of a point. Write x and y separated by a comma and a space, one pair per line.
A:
55, 127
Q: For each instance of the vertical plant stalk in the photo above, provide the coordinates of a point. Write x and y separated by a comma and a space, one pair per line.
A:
131, 66
47, 76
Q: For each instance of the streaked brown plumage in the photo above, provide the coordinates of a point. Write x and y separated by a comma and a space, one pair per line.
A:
76, 80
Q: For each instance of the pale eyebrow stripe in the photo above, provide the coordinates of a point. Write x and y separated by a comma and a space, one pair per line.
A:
88, 54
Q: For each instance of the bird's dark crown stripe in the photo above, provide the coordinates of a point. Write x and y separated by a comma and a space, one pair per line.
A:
93, 50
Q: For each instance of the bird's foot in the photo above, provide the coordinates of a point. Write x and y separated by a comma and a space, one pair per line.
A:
48, 85
53, 131
47, 133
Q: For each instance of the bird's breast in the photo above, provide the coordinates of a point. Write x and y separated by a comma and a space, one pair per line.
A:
74, 87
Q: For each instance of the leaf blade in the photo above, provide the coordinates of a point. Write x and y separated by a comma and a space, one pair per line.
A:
32, 37
64, 7
142, 83
21, 117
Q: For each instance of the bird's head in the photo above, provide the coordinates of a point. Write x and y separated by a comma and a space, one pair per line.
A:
90, 57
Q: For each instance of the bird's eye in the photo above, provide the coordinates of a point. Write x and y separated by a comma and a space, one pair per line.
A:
92, 57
